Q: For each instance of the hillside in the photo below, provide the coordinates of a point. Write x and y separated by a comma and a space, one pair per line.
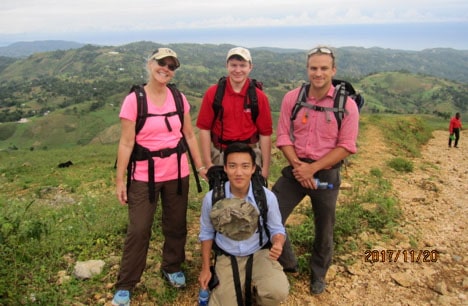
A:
65, 88
51, 217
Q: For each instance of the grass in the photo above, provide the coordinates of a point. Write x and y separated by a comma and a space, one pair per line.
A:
51, 217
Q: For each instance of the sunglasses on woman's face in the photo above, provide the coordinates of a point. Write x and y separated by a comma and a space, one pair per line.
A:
163, 63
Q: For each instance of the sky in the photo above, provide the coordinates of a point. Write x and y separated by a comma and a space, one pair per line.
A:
397, 24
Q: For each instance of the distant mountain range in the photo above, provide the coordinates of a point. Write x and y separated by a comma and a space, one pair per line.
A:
353, 62
24, 48
74, 94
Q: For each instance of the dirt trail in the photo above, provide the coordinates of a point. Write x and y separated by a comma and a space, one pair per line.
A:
434, 204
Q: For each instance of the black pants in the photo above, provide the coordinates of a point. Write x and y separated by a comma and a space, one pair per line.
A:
456, 132
290, 193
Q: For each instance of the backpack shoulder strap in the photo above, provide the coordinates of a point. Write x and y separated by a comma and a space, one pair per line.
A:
252, 92
301, 99
180, 111
178, 102
142, 106
218, 99
216, 180
340, 98
258, 183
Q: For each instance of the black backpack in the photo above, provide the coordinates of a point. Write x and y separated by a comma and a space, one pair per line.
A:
343, 90
218, 103
141, 153
217, 179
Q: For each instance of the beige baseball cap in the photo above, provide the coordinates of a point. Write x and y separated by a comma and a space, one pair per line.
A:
242, 52
235, 218
161, 53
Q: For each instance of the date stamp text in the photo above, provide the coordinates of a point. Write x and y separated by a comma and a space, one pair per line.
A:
412, 256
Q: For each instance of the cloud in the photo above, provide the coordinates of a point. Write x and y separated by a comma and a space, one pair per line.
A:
51, 16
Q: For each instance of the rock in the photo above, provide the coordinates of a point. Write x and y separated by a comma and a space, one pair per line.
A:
465, 283
356, 269
441, 288
402, 279
87, 269
331, 272
364, 236
62, 277
114, 260
345, 186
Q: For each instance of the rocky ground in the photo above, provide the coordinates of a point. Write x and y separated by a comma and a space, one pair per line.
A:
431, 240
433, 232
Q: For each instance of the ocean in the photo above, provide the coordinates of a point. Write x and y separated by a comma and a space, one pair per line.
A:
414, 36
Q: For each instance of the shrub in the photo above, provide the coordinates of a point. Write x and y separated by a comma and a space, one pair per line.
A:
400, 164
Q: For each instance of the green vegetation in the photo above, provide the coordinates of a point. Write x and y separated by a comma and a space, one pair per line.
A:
91, 81
401, 164
52, 217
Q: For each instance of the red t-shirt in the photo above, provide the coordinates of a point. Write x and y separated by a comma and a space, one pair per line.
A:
455, 123
237, 117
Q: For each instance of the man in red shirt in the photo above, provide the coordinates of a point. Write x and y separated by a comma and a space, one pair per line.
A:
454, 129
234, 122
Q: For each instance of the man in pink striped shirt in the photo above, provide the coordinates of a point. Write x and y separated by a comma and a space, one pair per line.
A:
315, 147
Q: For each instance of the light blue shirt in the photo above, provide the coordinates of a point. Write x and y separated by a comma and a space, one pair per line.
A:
250, 245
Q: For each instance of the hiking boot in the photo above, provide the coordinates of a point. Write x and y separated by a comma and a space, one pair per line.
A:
177, 279
317, 286
121, 298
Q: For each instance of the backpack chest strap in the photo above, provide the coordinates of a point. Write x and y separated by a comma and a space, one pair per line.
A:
326, 110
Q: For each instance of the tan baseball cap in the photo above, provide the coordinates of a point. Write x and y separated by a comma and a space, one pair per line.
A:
235, 218
161, 53
242, 52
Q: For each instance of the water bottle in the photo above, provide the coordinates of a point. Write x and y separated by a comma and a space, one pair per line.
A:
203, 297
322, 185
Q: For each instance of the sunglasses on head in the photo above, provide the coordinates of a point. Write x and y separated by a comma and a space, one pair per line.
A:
163, 63
320, 50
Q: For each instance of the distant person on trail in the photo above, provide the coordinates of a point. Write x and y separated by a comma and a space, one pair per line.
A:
238, 119
455, 127
245, 241
154, 158
315, 147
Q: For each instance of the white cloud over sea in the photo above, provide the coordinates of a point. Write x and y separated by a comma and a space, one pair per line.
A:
40, 19
20, 16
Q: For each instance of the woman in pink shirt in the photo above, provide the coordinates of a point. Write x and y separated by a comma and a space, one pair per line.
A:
162, 174
454, 128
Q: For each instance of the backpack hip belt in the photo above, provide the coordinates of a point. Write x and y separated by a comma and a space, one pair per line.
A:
141, 153
221, 144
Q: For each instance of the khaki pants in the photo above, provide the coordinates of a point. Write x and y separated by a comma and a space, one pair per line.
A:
268, 278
